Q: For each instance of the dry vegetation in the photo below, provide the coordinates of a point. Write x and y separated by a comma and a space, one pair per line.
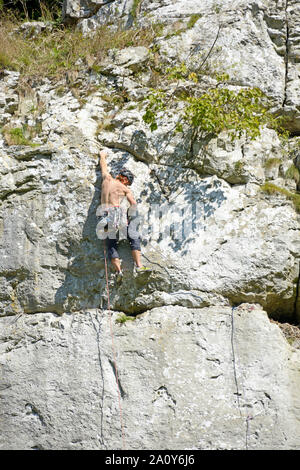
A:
291, 332
52, 53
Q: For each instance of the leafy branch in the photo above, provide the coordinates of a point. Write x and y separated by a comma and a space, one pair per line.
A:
242, 112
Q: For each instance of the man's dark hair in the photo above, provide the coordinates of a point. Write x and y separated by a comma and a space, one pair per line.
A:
128, 174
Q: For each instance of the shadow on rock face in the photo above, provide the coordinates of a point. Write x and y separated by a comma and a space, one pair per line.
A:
83, 283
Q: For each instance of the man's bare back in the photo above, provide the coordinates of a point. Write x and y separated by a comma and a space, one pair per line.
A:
113, 192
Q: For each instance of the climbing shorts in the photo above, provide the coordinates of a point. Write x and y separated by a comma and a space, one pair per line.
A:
112, 245
114, 225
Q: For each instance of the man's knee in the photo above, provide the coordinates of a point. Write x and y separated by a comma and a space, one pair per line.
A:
135, 244
112, 249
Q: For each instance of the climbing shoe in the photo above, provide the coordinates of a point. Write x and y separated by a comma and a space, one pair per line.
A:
143, 269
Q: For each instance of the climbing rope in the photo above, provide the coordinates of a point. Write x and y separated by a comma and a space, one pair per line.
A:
234, 361
113, 349
248, 418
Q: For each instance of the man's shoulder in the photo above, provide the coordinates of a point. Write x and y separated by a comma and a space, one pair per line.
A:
122, 186
126, 190
107, 176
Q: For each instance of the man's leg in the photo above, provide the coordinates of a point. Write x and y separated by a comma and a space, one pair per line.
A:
135, 245
116, 264
113, 254
136, 255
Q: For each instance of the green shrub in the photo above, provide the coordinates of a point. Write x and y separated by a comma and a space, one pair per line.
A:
219, 109
124, 318
222, 109
242, 112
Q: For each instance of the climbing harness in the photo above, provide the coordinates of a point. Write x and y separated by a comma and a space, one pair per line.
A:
113, 349
110, 221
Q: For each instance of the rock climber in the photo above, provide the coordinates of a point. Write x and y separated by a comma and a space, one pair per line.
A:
115, 219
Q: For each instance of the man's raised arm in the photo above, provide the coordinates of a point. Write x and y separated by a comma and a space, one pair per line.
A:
103, 164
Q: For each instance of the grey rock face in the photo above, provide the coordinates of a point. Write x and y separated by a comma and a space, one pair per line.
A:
75, 9
257, 41
292, 103
34, 28
54, 260
8, 96
179, 385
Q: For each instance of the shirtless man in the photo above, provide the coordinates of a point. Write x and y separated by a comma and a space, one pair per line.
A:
112, 193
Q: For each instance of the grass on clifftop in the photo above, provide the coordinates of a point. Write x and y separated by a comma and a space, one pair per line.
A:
52, 53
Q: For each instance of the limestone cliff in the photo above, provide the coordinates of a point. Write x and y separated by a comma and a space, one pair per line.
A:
201, 365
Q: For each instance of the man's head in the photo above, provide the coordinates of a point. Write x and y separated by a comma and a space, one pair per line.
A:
125, 177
